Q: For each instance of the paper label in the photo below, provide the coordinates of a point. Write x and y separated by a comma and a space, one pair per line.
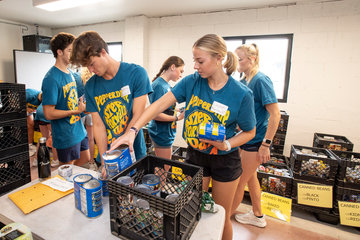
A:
349, 213
276, 206
58, 184
125, 90
219, 108
315, 195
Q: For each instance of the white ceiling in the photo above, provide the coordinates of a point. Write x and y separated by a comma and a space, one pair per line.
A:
22, 11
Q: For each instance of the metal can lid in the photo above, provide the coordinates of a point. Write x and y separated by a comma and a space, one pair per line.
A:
172, 197
42, 140
143, 188
111, 155
151, 179
81, 178
125, 180
94, 183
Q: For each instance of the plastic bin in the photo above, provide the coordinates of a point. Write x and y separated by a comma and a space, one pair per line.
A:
339, 143
179, 154
349, 169
12, 101
163, 219
347, 195
13, 137
279, 160
313, 168
14, 171
283, 124
272, 183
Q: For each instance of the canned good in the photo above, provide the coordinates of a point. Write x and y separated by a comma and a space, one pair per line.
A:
211, 131
153, 181
88, 195
126, 180
117, 160
172, 197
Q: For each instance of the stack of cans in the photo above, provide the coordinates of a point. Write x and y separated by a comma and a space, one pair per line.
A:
88, 195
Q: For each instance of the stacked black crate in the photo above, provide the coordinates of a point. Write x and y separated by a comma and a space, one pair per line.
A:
332, 142
279, 138
275, 176
348, 178
317, 167
14, 149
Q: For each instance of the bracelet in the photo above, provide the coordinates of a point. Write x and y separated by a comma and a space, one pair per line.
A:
134, 129
227, 145
265, 145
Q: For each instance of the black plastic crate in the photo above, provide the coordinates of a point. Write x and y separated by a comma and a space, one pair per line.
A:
310, 208
164, 219
279, 139
311, 167
273, 183
349, 169
13, 137
277, 149
179, 154
14, 171
346, 195
12, 101
339, 143
279, 160
283, 124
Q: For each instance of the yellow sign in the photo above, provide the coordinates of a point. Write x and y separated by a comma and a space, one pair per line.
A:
276, 206
349, 213
178, 173
37, 136
315, 195
246, 188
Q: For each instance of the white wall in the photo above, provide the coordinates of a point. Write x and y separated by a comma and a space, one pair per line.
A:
11, 38
324, 77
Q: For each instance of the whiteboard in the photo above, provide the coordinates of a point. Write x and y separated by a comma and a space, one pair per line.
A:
31, 67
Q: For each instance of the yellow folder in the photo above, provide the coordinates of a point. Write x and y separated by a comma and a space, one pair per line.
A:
36, 196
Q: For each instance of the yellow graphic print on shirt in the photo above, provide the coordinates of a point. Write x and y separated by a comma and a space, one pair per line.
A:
200, 113
114, 113
72, 100
116, 118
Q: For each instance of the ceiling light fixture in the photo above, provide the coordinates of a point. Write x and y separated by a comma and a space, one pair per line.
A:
57, 5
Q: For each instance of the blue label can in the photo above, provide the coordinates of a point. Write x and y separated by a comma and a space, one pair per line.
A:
211, 131
117, 160
91, 198
78, 181
152, 181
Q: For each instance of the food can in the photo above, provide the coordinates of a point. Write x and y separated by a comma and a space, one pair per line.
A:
91, 198
172, 197
117, 160
153, 181
211, 131
78, 181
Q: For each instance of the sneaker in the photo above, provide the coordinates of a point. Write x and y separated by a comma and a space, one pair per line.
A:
250, 218
34, 163
54, 163
93, 166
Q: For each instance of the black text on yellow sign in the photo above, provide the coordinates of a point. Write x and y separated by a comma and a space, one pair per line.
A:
315, 195
276, 206
349, 213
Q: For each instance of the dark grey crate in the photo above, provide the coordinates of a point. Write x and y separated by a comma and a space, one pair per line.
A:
12, 101
13, 137
341, 143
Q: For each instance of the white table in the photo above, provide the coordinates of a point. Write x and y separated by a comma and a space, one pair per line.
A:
61, 220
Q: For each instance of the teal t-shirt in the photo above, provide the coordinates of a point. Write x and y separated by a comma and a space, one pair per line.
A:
113, 100
231, 106
59, 89
39, 116
32, 100
162, 133
264, 94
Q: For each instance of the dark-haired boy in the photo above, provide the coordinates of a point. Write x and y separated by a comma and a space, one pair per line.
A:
62, 106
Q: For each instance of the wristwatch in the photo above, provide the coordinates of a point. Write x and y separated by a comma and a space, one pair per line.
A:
134, 129
267, 141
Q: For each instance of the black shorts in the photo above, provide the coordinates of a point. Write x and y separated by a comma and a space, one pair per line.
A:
222, 168
254, 147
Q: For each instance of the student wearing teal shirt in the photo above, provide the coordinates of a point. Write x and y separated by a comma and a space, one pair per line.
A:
211, 95
257, 150
116, 95
62, 106
162, 129
33, 100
